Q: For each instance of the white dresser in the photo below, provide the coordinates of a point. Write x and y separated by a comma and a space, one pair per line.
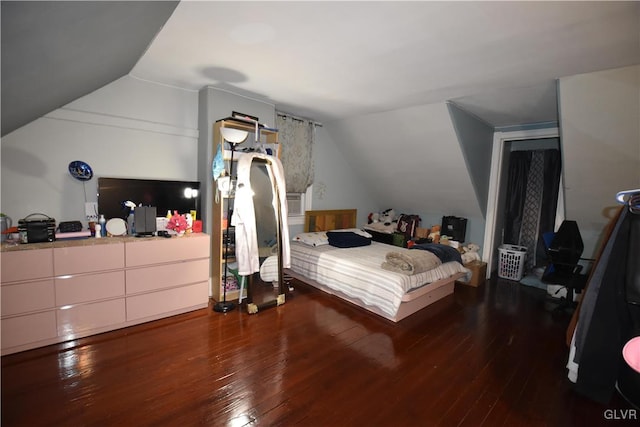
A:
59, 291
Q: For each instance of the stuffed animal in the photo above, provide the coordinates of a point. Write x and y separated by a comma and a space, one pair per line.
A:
434, 234
388, 216
470, 253
374, 217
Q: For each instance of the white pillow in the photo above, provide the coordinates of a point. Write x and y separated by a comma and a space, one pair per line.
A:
316, 238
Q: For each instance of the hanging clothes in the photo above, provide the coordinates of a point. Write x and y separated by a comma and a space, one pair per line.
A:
244, 219
531, 202
607, 318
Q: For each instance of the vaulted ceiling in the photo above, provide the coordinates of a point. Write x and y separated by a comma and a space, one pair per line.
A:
54, 52
324, 60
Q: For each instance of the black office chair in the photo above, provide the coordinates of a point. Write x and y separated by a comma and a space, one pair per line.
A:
564, 268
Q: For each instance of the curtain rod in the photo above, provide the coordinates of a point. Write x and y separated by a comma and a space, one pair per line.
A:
300, 119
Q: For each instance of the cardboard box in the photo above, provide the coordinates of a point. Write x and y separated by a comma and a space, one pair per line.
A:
422, 233
479, 273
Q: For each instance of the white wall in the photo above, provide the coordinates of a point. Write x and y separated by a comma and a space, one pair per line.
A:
130, 128
600, 133
336, 184
410, 158
216, 104
476, 140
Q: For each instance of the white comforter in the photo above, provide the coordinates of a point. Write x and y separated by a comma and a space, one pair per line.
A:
357, 272
269, 269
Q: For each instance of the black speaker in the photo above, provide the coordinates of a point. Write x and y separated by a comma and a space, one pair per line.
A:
145, 220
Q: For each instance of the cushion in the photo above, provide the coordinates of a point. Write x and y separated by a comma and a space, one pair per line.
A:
316, 238
354, 230
347, 239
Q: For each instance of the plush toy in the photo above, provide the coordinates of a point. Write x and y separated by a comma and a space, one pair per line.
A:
374, 217
388, 216
470, 253
434, 234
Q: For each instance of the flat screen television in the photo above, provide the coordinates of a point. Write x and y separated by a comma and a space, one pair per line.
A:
181, 196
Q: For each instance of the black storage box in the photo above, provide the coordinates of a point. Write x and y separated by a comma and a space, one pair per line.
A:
35, 230
454, 227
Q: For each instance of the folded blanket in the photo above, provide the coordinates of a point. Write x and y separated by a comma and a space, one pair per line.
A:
445, 253
410, 262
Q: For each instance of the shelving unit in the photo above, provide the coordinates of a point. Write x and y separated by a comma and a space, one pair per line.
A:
268, 139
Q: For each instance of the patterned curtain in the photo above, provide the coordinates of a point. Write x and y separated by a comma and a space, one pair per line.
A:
296, 141
530, 228
532, 198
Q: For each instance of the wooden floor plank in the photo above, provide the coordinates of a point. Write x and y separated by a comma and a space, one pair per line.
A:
485, 356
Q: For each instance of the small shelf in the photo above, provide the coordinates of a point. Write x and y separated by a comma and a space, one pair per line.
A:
237, 155
270, 135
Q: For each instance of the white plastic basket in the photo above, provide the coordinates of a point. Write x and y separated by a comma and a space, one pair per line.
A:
511, 261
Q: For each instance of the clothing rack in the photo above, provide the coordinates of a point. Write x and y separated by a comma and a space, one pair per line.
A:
631, 198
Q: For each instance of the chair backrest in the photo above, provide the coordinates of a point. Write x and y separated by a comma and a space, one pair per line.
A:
565, 251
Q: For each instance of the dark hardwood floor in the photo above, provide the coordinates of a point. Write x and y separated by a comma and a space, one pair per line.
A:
489, 356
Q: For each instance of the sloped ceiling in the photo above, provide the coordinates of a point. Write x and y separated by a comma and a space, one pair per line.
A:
324, 60
54, 52
335, 60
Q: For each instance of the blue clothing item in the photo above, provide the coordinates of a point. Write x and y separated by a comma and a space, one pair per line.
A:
347, 239
444, 252
217, 167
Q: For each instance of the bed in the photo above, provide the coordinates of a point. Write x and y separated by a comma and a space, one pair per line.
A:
356, 275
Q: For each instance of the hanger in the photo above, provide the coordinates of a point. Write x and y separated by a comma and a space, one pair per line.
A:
630, 197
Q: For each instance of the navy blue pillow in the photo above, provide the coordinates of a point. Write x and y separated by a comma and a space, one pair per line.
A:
347, 239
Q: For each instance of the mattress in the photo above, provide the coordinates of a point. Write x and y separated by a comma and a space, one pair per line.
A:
358, 274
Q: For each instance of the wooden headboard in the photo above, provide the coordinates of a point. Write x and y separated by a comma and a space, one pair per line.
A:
333, 219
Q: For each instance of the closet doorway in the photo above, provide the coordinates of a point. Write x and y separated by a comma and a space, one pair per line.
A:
525, 198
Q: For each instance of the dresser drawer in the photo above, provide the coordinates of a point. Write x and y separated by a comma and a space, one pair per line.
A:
86, 317
28, 329
88, 259
160, 251
167, 275
89, 287
27, 296
169, 300
26, 264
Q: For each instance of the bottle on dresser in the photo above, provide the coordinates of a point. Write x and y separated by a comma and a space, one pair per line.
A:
103, 226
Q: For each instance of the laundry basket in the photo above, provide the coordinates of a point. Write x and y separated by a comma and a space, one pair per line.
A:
511, 261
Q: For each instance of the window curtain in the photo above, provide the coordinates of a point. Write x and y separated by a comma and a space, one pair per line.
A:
296, 141
532, 198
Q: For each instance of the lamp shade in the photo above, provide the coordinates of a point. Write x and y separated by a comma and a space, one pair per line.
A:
234, 136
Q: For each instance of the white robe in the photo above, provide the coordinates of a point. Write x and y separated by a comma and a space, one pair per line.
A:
244, 218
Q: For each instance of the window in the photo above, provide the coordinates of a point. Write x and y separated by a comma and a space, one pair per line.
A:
296, 137
298, 204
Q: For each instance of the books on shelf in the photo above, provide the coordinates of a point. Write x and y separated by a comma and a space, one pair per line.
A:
247, 119
244, 116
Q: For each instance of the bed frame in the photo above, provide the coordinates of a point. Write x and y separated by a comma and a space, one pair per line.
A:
417, 299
